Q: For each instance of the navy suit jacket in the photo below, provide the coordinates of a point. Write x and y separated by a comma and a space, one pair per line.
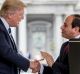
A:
10, 60
61, 65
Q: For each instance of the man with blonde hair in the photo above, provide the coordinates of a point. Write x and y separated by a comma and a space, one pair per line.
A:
11, 61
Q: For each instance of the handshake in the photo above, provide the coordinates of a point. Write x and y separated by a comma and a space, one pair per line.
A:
36, 66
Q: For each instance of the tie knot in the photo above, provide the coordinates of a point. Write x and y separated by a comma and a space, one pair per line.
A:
9, 30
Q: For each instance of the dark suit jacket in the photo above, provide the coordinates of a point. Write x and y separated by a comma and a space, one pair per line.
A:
10, 60
61, 65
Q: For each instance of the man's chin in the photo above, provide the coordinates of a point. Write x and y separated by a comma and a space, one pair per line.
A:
64, 36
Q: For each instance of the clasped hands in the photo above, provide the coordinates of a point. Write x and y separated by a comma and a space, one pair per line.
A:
35, 65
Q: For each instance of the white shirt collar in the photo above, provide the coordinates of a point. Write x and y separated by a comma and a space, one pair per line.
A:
5, 23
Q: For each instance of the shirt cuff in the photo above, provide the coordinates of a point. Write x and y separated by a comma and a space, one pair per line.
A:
41, 69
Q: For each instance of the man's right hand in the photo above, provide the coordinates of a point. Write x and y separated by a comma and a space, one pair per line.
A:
35, 66
48, 57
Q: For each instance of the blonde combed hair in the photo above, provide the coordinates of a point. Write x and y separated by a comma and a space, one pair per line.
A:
10, 5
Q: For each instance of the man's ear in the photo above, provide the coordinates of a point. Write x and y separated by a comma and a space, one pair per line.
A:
76, 29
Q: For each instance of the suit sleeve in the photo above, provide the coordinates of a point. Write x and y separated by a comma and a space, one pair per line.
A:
54, 70
47, 70
59, 66
8, 54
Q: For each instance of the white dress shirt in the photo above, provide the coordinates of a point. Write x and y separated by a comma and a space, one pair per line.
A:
5, 23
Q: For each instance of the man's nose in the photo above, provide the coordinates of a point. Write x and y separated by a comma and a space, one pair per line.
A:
22, 16
61, 27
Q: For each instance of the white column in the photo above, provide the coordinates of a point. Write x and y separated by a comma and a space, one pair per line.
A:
57, 38
23, 37
48, 37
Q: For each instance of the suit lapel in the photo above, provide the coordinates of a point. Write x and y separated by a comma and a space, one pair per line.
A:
13, 42
63, 52
2, 28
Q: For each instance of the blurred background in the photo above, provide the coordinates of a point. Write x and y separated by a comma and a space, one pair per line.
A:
40, 28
